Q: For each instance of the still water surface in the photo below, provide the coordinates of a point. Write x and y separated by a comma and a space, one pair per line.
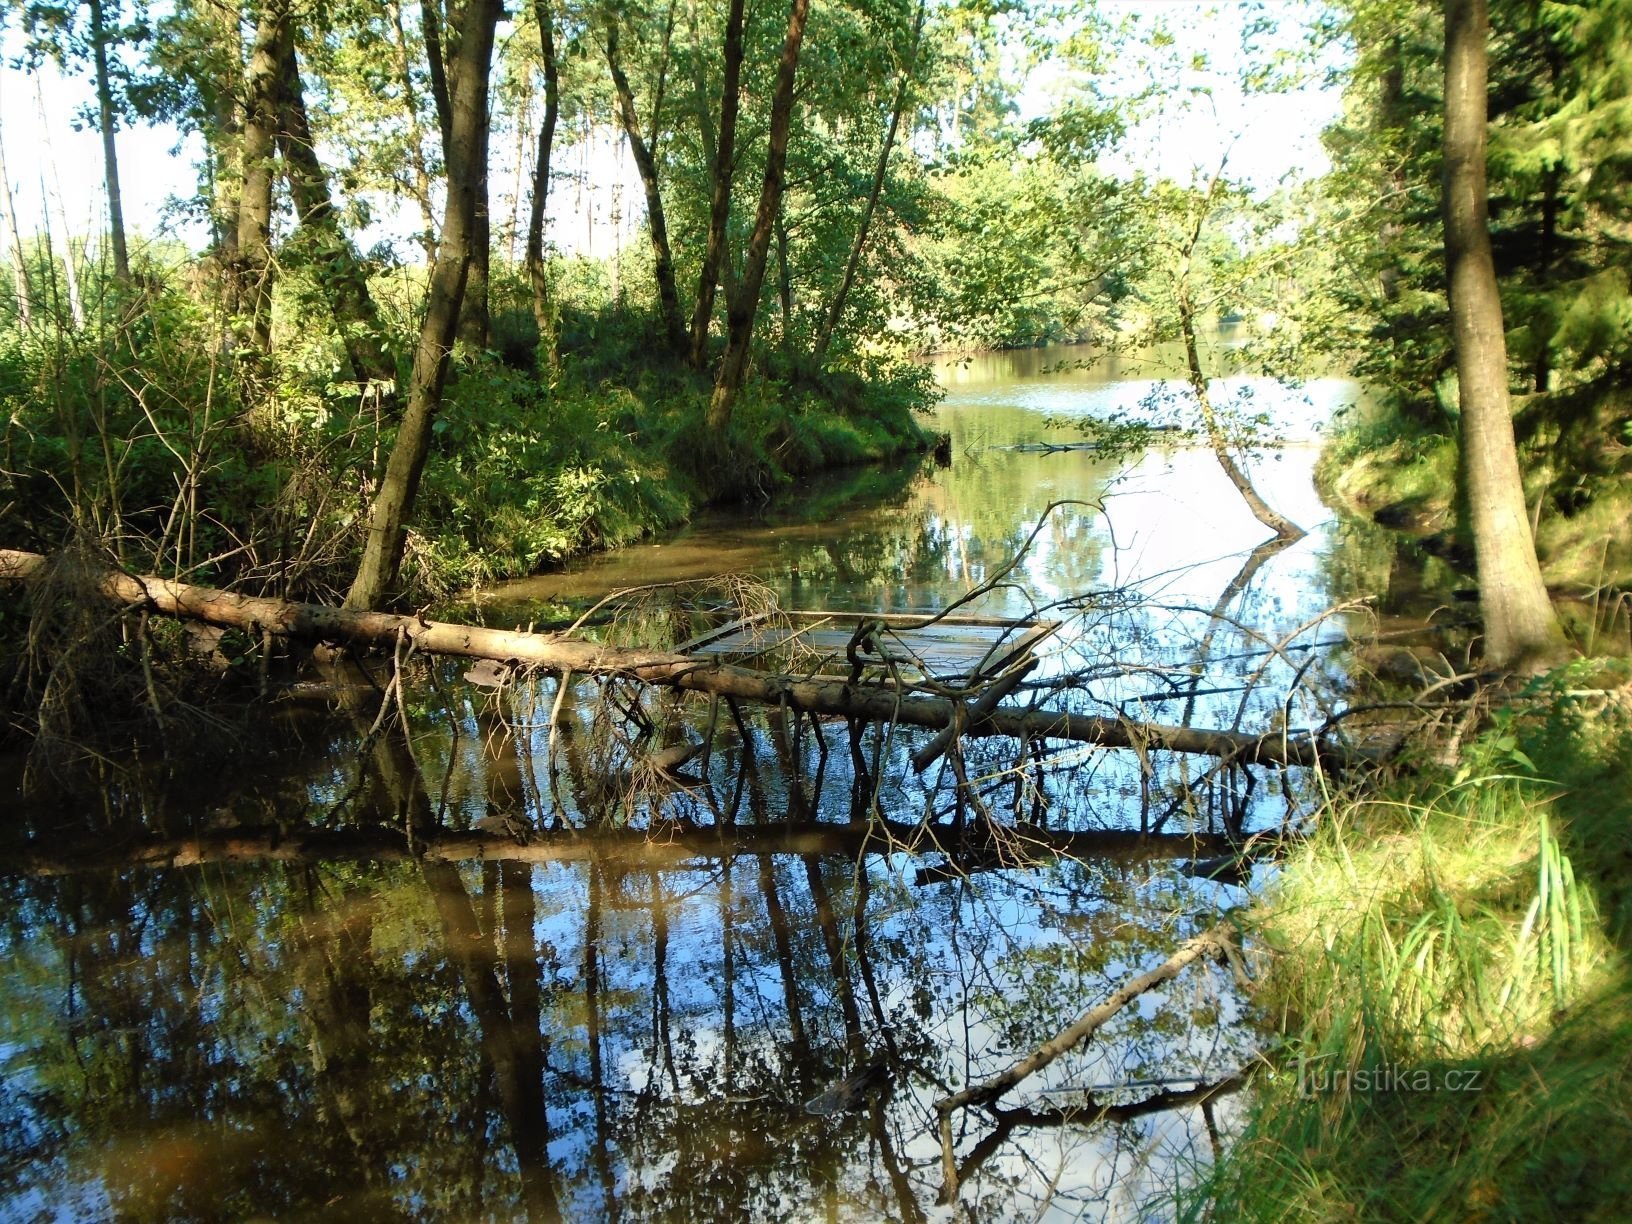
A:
617, 1024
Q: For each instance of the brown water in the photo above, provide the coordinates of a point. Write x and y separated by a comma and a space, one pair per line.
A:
664, 1014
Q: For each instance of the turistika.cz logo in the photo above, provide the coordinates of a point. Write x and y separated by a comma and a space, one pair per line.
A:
1319, 1077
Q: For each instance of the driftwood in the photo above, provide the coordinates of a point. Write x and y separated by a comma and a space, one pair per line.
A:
317, 623
664, 848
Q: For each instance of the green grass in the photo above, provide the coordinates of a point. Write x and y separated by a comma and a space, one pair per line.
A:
1454, 927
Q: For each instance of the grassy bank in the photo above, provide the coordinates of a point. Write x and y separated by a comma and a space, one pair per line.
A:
148, 441
1447, 993
1403, 474
526, 474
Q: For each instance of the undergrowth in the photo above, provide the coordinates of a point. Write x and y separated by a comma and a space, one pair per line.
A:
1448, 990
1573, 457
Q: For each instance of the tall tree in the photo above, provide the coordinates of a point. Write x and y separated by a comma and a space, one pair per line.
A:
19, 269
110, 153
339, 271
468, 104
744, 303
253, 274
1521, 629
537, 274
835, 309
719, 208
668, 296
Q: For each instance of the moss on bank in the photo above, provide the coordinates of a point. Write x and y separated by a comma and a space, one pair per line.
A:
1449, 990
1395, 472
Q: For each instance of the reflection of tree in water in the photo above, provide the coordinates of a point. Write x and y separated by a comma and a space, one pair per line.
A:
636, 1038
590, 1040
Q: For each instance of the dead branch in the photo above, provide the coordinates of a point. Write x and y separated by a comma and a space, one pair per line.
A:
894, 703
665, 847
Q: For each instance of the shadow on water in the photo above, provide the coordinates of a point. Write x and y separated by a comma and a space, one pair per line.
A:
474, 959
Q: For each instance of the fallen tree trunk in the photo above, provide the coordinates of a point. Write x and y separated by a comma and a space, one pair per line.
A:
668, 847
318, 623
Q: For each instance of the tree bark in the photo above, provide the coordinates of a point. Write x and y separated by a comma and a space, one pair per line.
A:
744, 303
668, 295
430, 26
110, 153
867, 702
474, 317
339, 271
537, 273
387, 528
719, 209
835, 310
253, 271
1521, 630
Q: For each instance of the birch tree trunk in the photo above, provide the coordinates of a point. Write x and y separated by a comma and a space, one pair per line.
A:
19, 269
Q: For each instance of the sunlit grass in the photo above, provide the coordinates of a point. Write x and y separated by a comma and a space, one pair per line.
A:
1446, 994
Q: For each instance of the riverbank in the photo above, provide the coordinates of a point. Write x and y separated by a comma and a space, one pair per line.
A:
1446, 984
528, 476
1404, 477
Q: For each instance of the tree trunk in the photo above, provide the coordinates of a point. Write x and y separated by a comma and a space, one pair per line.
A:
719, 210
668, 295
1521, 629
387, 529
537, 273
784, 283
342, 275
474, 317
1282, 526
57, 212
110, 154
835, 310
744, 303
253, 271
430, 25
19, 269
550, 652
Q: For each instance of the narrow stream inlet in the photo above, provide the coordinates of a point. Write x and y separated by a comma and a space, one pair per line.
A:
646, 1009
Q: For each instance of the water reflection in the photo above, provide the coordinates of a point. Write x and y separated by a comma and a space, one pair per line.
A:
455, 963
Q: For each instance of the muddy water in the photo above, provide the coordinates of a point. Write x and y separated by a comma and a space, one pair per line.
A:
702, 996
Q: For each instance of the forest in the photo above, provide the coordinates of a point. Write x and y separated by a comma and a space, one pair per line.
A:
913, 609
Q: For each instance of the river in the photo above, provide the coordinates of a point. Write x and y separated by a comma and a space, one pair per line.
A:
623, 1019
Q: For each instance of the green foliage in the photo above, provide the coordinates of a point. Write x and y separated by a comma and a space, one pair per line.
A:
1560, 140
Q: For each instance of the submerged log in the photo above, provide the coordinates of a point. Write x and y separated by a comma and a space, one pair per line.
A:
663, 848
317, 623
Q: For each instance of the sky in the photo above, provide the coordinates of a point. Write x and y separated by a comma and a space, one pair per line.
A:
1268, 137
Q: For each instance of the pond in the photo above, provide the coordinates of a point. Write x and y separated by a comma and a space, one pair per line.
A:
706, 992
